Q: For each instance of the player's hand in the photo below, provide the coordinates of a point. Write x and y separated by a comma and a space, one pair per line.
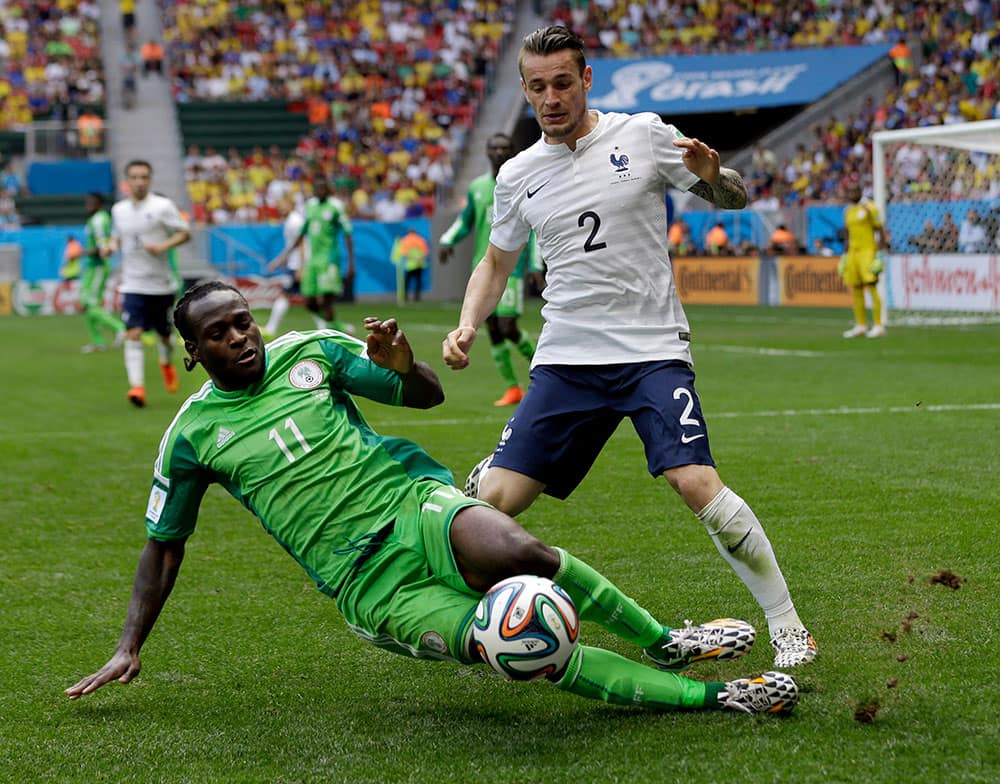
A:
123, 667
455, 347
445, 252
700, 159
153, 247
388, 346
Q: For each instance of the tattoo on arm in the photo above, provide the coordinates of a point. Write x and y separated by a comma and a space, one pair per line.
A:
729, 193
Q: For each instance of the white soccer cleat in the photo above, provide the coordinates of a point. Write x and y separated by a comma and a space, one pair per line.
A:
793, 647
856, 331
723, 638
471, 488
878, 331
771, 692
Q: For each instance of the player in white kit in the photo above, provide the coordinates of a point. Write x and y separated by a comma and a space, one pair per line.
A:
291, 230
616, 340
146, 227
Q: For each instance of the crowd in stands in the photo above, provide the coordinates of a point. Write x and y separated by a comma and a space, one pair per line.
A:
957, 79
50, 60
390, 88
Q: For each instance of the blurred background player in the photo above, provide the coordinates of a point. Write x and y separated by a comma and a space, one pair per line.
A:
409, 254
322, 279
861, 265
291, 230
94, 270
145, 228
478, 217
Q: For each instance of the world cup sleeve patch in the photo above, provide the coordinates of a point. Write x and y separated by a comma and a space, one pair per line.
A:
157, 500
305, 375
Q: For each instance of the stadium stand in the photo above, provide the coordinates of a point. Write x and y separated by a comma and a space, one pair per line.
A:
957, 79
377, 95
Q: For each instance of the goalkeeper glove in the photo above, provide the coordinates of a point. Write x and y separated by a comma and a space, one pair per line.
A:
878, 264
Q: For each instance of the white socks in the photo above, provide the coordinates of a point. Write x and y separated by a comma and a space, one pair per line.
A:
278, 311
134, 363
741, 540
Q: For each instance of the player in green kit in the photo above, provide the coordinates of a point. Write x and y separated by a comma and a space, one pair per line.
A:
94, 275
322, 281
374, 520
478, 217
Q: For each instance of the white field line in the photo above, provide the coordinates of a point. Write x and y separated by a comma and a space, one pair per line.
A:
386, 425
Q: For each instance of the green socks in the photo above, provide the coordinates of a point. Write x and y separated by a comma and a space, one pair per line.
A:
599, 600
501, 358
598, 674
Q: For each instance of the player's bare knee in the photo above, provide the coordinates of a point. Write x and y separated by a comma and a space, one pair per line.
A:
525, 554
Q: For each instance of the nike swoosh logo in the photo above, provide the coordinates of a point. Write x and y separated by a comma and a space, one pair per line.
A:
688, 439
736, 546
531, 193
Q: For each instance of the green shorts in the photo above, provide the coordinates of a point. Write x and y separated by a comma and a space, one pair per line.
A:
92, 282
320, 279
512, 300
409, 597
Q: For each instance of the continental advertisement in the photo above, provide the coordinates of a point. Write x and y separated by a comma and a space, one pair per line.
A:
811, 281
717, 280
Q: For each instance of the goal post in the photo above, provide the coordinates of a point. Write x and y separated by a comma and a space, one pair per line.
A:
938, 190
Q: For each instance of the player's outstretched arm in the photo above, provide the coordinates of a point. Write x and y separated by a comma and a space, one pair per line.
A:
154, 579
389, 348
483, 292
719, 185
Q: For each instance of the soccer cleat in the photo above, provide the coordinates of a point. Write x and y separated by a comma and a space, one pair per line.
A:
92, 348
137, 396
772, 692
856, 331
170, 378
723, 638
793, 647
471, 488
878, 331
511, 397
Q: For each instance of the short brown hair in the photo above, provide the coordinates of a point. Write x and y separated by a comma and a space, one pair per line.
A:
552, 39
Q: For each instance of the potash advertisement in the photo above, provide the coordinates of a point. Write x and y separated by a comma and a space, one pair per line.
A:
964, 282
717, 280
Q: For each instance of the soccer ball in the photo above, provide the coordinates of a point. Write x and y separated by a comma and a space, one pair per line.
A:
471, 488
525, 628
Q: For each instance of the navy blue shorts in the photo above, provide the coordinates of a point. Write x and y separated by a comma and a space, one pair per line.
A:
151, 312
570, 411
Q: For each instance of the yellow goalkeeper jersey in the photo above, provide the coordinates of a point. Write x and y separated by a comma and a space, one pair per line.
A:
862, 220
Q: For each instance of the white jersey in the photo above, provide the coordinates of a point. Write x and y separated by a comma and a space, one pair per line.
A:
290, 231
600, 217
134, 224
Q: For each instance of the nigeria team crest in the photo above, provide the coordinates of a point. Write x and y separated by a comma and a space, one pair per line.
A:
306, 375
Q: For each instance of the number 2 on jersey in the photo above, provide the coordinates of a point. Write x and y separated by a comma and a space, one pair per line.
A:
590, 245
275, 436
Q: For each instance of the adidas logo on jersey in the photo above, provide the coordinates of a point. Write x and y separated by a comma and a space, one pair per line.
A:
223, 438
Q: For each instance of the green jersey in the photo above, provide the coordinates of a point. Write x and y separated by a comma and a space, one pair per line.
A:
96, 236
478, 216
325, 222
296, 451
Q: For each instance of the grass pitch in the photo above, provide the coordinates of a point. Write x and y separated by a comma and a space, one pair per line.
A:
873, 465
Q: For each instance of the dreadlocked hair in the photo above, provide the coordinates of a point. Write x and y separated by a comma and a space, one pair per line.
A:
196, 292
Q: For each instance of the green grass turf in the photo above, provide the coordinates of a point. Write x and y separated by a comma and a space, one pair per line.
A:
873, 465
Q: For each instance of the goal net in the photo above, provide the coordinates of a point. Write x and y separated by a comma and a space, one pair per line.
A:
938, 190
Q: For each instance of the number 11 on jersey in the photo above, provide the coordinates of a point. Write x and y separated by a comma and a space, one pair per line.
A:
275, 436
